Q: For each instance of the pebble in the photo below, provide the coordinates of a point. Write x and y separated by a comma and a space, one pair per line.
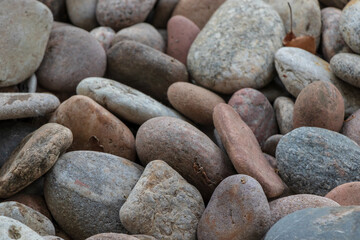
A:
58, 9
28, 216
321, 105
351, 127
111, 236
95, 128
144, 237
199, 11
36, 154
238, 209
298, 68
244, 150
82, 13
335, 3
256, 111
327, 223
104, 35
143, 33
24, 105
181, 34
72, 54
193, 101
162, 204
119, 14
144, 68
236, 47
85, 190
186, 149
315, 160
332, 41
271, 144
350, 25
345, 66
162, 12
52, 238
346, 194
26, 26
287, 205
124, 101
284, 111
13, 229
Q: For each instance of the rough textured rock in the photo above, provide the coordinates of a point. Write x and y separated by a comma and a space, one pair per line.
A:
284, 111
72, 54
186, 149
195, 102
144, 68
334, 3
327, 223
82, 13
84, 180
287, 205
162, 12
112, 236
351, 127
119, 14
28, 216
321, 105
162, 204
58, 9
126, 102
238, 209
298, 68
95, 128
24, 105
236, 47
25, 30
346, 194
271, 144
332, 41
13, 229
244, 150
256, 111
345, 66
104, 35
143, 33
35, 155
350, 25
315, 160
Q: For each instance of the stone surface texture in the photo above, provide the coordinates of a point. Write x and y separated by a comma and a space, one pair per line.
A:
350, 25
13, 229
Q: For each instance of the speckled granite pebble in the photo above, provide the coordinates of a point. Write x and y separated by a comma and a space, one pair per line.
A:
13, 229
346, 67
350, 25
284, 111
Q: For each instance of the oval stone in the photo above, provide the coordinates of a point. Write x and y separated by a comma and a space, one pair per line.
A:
25, 30
186, 149
104, 35
94, 127
85, 190
13, 229
346, 194
350, 25
236, 47
316, 160
238, 209
126, 102
346, 67
351, 127
82, 13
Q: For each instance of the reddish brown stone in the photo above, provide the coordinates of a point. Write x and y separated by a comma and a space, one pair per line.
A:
271, 144
346, 194
195, 102
95, 128
181, 34
244, 150
351, 127
320, 104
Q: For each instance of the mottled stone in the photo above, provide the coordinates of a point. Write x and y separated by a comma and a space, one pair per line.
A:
195, 102
346, 194
104, 35
147, 211
82, 13
271, 144
287, 205
335, 3
256, 111
244, 150
13, 229
186, 149
94, 127
28, 216
327, 223
111, 236
58, 9
298, 68
124, 101
24, 105
351, 127
284, 109
236, 47
238, 209
35, 155
162, 12
144, 68
85, 190
143, 33
315, 160
119, 14
72, 54
350, 25
346, 67
25, 29
332, 41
